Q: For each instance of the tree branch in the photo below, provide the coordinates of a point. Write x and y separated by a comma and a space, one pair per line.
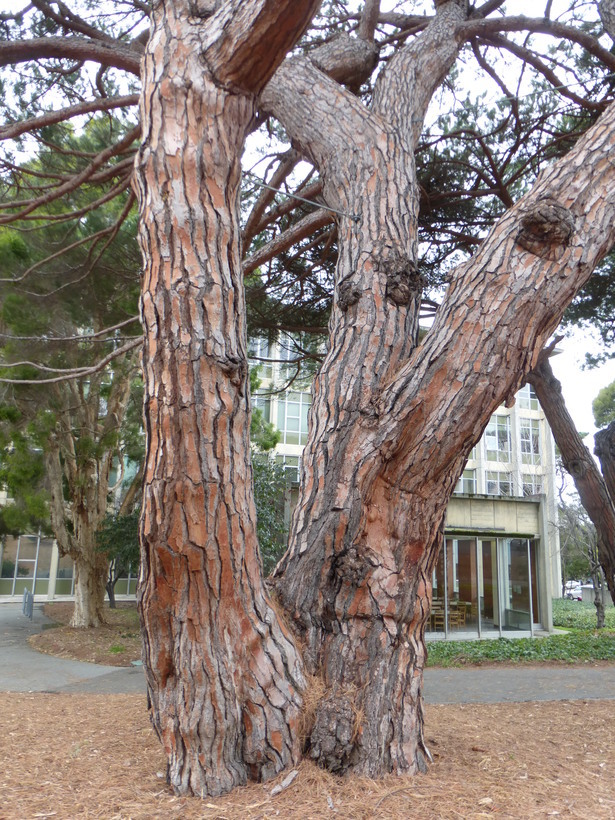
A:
285, 167
16, 129
244, 41
579, 463
74, 373
124, 57
79, 338
404, 89
529, 57
481, 28
300, 230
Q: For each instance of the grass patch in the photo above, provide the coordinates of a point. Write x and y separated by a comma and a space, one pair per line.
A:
578, 615
117, 648
582, 645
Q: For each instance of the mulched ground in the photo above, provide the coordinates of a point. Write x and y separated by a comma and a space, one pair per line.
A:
117, 643
95, 756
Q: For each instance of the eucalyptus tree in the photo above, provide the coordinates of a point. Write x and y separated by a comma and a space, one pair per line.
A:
392, 419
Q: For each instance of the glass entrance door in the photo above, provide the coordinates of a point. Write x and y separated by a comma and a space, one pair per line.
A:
488, 581
517, 584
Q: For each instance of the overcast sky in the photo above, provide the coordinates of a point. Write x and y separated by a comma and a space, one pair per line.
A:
580, 387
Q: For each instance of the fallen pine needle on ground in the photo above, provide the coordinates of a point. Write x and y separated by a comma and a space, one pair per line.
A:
96, 756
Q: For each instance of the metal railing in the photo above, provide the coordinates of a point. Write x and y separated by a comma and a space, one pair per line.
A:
27, 606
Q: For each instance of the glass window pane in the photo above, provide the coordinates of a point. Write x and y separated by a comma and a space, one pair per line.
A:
44, 558
489, 602
516, 585
9, 555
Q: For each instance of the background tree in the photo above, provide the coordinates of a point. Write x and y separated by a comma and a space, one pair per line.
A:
580, 552
392, 420
603, 406
118, 540
70, 433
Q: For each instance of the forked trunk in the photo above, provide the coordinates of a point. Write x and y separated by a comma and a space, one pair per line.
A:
380, 464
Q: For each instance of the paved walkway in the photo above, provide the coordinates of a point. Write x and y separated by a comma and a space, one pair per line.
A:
22, 669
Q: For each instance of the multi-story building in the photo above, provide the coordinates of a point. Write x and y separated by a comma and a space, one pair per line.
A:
499, 566
500, 563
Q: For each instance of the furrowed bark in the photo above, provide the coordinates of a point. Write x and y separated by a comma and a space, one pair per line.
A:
346, 553
579, 463
224, 677
357, 576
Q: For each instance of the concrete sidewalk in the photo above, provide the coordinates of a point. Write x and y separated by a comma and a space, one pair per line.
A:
22, 669
497, 684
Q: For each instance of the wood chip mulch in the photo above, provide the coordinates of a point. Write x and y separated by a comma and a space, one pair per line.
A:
95, 756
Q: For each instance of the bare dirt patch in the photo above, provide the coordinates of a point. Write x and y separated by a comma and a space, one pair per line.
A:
117, 643
95, 756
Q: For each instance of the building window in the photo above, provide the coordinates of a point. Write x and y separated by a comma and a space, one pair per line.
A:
289, 357
497, 439
292, 417
291, 466
467, 483
532, 484
259, 351
499, 483
262, 402
527, 398
530, 441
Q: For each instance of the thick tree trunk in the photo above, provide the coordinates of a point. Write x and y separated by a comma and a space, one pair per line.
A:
359, 603
380, 466
224, 677
579, 463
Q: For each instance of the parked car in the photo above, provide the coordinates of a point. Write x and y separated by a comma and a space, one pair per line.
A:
575, 593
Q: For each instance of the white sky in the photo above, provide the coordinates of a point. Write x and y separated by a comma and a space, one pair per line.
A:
580, 387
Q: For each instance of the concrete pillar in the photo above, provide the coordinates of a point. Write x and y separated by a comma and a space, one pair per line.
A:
53, 571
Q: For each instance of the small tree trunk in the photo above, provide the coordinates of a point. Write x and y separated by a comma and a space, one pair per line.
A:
578, 461
604, 448
112, 579
90, 574
598, 584
599, 604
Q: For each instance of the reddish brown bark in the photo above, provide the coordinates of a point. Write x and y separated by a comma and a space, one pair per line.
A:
391, 429
224, 677
579, 463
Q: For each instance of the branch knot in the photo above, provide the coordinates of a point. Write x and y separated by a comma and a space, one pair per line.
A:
546, 229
